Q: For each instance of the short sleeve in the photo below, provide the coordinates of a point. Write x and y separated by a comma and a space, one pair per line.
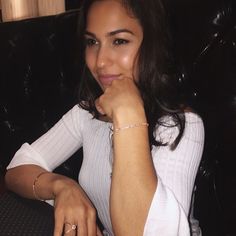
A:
55, 146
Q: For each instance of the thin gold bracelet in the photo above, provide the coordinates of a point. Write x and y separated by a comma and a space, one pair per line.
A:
34, 185
131, 126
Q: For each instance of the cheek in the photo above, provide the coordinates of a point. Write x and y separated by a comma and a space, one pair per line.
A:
129, 63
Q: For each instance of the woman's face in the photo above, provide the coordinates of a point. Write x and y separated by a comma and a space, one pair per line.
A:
113, 38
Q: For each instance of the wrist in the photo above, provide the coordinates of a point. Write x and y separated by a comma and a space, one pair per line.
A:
61, 183
128, 117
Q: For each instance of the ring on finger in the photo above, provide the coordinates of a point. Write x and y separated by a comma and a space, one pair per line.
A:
72, 227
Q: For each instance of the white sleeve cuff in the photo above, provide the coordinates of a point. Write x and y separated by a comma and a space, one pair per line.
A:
24, 157
166, 216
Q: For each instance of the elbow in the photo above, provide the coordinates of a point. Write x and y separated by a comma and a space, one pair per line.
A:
11, 179
8, 178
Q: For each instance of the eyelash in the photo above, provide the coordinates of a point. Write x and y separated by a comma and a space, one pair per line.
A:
120, 41
89, 42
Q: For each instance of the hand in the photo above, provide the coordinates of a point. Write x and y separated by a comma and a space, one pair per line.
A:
72, 207
122, 97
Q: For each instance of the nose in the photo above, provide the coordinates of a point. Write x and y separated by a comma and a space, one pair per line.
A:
104, 57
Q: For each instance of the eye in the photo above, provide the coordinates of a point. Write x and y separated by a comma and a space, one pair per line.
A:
120, 41
89, 42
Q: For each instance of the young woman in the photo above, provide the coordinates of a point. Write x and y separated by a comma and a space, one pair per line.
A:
142, 143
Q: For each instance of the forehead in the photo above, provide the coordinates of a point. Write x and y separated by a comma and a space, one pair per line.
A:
110, 14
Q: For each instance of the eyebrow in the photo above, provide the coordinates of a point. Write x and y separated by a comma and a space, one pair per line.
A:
111, 33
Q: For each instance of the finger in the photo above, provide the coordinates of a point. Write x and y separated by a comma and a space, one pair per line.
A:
128, 79
99, 233
59, 224
99, 108
70, 229
91, 222
82, 228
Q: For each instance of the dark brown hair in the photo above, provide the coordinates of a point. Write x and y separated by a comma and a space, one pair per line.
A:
158, 81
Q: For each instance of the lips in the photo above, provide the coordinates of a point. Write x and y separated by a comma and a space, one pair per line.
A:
107, 79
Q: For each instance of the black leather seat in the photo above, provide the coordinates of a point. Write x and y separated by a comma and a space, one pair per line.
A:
37, 83
205, 40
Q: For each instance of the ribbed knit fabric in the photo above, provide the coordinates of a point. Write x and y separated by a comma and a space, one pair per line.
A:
176, 170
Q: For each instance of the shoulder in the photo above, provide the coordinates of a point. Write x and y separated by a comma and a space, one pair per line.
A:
167, 131
193, 122
77, 112
193, 125
76, 118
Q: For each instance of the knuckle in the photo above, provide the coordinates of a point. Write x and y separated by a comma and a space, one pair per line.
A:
81, 211
101, 97
57, 230
92, 213
86, 212
58, 211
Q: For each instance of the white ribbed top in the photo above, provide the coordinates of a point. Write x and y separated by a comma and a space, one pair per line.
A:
176, 170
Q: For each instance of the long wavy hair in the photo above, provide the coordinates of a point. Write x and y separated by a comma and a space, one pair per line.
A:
158, 81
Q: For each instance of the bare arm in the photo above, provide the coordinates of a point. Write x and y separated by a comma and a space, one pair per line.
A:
133, 180
71, 203
20, 180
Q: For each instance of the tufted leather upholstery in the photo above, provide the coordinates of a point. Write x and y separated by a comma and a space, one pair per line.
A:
37, 85
205, 39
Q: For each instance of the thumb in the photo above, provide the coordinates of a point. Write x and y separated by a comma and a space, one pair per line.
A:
98, 107
99, 232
